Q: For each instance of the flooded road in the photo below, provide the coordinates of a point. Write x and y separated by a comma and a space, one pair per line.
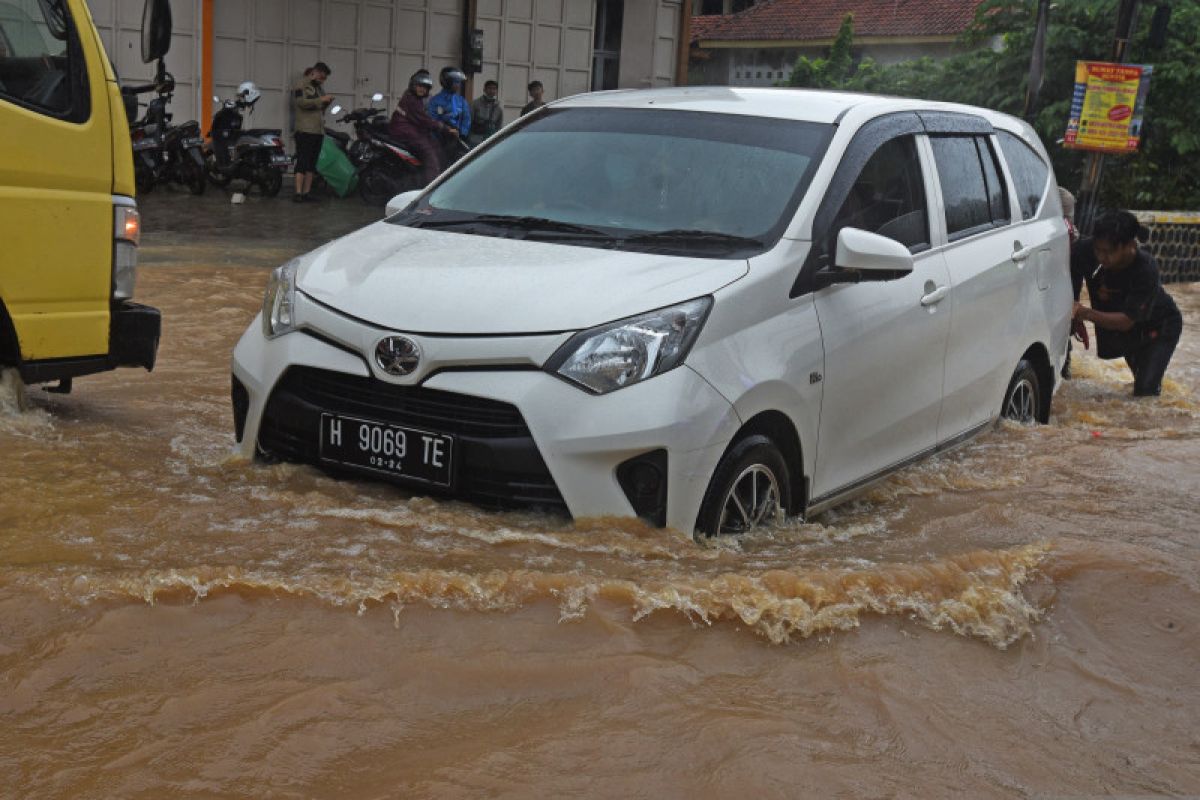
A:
1020, 617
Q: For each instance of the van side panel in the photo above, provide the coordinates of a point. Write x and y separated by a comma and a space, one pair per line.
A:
56, 219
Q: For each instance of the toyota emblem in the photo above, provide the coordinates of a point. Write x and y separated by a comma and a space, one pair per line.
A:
397, 355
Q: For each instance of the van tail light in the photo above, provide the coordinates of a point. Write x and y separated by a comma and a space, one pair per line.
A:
127, 233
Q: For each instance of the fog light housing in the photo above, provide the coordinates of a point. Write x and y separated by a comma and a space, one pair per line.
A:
241, 407
643, 479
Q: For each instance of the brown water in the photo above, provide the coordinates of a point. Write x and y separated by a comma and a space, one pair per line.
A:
1016, 618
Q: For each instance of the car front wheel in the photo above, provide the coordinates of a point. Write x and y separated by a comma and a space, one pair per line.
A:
1023, 400
749, 489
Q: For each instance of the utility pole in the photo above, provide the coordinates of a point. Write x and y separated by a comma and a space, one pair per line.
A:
1037, 60
1089, 192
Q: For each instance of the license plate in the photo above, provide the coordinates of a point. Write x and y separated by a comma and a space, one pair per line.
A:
281, 159
380, 447
193, 142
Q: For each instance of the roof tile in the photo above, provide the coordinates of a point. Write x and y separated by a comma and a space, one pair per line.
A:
799, 20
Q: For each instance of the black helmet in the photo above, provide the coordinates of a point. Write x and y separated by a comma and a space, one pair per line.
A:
420, 78
450, 76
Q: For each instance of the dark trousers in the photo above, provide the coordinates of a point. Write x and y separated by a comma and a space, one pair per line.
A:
1150, 359
426, 151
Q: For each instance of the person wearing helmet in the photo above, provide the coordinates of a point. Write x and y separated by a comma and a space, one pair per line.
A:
310, 102
449, 105
412, 126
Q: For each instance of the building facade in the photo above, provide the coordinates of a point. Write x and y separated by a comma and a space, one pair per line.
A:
375, 45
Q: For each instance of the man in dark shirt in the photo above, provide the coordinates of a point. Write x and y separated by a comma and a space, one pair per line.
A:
1134, 316
536, 91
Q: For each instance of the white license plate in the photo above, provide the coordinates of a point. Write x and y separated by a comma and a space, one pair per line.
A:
380, 447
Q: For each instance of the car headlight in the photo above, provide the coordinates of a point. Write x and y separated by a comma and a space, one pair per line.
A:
279, 303
628, 351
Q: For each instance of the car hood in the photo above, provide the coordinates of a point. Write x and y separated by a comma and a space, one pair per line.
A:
424, 281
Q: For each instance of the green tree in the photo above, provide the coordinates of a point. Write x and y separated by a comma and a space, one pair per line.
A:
1165, 173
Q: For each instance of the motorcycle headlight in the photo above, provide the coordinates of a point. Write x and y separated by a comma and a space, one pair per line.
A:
628, 351
279, 303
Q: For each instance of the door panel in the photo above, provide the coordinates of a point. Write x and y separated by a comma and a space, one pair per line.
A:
884, 356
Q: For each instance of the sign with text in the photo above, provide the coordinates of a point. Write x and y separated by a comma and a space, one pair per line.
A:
1106, 109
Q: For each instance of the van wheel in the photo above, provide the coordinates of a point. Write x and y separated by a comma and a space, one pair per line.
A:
750, 489
1023, 400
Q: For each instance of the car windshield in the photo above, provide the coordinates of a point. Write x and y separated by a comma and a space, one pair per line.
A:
707, 184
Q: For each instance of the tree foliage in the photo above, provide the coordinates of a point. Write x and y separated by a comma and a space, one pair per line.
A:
993, 70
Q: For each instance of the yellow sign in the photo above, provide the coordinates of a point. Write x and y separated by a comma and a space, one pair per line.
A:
1106, 109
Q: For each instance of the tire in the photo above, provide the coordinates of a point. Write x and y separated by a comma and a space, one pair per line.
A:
270, 181
376, 186
753, 465
193, 178
1023, 400
144, 181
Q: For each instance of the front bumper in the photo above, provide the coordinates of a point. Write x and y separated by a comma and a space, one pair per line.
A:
134, 332
552, 444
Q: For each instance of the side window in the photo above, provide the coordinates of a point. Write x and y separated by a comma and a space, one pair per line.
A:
997, 189
972, 190
888, 197
39, 66
1029, 172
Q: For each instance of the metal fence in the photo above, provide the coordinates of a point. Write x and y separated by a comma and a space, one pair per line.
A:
1175, 243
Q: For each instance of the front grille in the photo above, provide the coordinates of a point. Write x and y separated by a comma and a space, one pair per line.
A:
498, 463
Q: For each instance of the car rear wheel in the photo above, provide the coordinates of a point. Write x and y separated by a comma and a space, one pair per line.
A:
750, 489
1023, 400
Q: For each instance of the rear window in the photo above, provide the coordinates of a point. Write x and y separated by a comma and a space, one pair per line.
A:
1029, 173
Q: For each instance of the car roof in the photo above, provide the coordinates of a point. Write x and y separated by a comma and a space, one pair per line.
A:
809, 105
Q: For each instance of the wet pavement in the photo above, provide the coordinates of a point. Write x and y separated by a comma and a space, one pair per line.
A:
1017, 618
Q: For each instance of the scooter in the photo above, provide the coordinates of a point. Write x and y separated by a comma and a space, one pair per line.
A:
385, 166
162, 152
253, 155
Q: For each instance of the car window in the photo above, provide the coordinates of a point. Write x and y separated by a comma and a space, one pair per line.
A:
888, 197
972, 191
36, 59
996, 187
1029, 172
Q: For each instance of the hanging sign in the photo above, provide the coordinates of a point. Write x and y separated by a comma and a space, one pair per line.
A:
1106, 109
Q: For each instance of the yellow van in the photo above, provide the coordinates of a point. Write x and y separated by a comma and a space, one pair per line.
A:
68, 221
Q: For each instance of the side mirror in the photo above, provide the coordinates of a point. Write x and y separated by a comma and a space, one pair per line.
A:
156, 30
375, 98
870, 252
864, 256
401, 201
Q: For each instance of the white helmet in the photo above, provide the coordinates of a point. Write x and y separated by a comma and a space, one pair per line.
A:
248, 93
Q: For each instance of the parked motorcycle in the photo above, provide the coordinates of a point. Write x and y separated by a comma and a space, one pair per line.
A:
385, 166
163, 152
253, 155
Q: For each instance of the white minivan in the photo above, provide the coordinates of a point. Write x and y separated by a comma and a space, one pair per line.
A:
702, 306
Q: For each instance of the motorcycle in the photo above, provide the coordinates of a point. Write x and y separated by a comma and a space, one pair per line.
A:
253, 155
385, 166
163, 152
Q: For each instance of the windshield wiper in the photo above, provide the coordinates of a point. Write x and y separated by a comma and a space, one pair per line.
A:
686, 236
526, 222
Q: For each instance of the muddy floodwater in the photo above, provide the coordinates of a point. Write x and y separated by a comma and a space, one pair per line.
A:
1020, 617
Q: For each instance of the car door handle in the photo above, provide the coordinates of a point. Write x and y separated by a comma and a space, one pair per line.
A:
1021, 254
936, 296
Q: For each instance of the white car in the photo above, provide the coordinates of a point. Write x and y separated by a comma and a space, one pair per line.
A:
698, 306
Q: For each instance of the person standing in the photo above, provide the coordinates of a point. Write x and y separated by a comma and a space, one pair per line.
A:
536, 90
1134, 316
412, 126
310, 102
487, 115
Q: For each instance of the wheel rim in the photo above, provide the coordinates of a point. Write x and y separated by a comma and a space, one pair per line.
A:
752, 501
1022, 402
